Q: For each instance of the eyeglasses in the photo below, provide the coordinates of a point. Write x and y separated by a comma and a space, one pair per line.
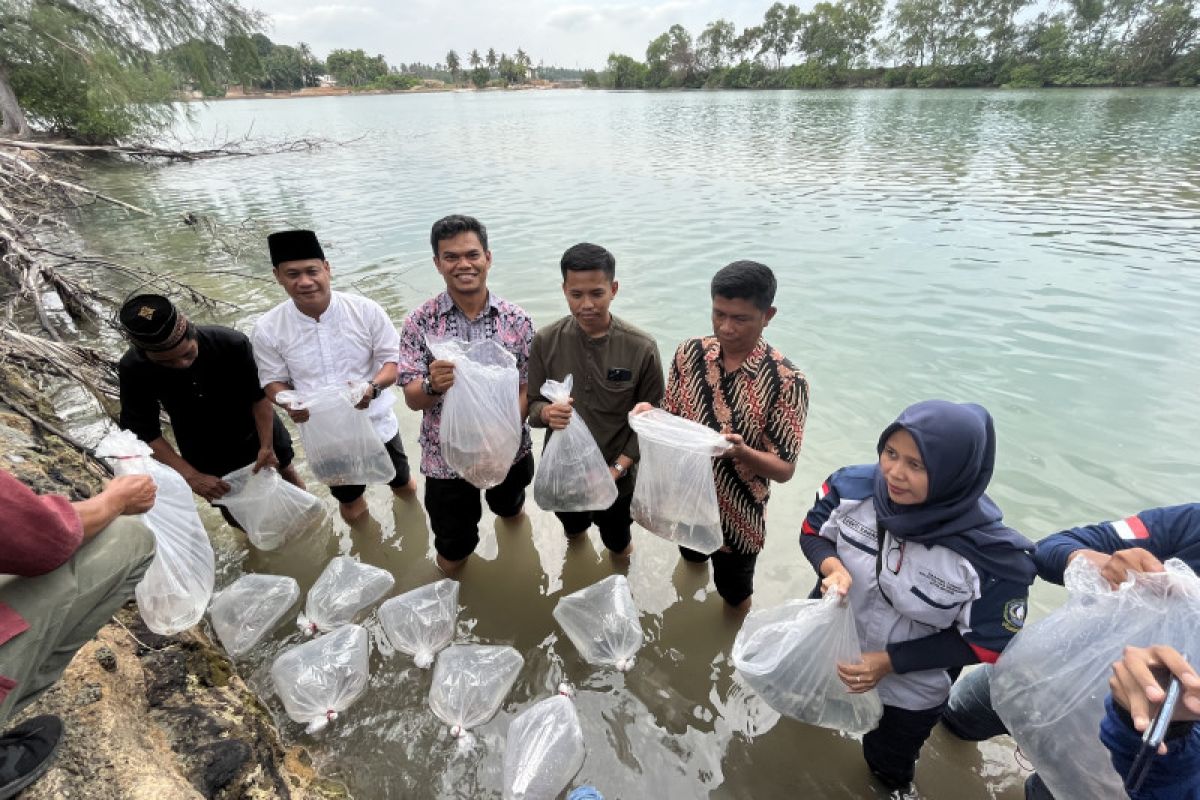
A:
895, 555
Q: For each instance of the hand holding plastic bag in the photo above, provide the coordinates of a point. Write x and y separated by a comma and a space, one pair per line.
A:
176, 589
345, 587
789, 655
270, 510
481, 416
1050, 683
573, 475
320, 679
250, 608
676, 495
543, 750
470, 682
602, 622
421, 622
340, 445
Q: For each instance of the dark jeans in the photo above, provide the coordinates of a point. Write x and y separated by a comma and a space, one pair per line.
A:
614, 522
733, 572
969, 714
395, 451
891, 750
454, 508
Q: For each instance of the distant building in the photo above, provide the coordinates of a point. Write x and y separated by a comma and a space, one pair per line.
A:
326, 81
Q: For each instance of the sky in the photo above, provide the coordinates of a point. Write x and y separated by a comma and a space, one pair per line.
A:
567, 34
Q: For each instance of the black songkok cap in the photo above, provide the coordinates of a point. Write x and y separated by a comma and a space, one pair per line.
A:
294, 246
151, 322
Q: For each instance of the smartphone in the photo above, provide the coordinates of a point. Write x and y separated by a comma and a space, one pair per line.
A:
1153, 737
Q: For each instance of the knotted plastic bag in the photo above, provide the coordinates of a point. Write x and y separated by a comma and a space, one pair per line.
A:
176, 589
340, 445
602, 622
320, 679
250, 608
345, 587
270, 510
481, 415
543, 750
470, 681
1050, 683
789, 655
421, 622
676, 495
573, 475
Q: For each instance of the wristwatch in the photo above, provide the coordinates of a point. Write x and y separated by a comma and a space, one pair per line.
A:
376, 389
427, 387
619, 468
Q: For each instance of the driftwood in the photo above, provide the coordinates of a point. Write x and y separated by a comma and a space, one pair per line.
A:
241, 148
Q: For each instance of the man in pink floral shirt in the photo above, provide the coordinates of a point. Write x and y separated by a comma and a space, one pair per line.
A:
467, 310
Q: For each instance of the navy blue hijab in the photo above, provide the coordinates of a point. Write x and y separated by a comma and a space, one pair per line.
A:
958, 445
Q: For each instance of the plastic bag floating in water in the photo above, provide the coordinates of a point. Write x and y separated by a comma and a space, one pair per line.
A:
270, 510
340, 444
602, 622
481, 415
176, 589
421, 622
470, 681
250, 608
789, 655
676, 494
572, 475
543, 750
320, 679
345, 587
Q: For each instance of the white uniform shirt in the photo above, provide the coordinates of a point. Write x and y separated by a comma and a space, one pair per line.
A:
351, 342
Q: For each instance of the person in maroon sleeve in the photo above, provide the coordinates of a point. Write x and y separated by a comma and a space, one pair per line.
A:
65, 568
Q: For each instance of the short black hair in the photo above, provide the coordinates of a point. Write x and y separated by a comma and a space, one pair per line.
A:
746, 280
451, 226
585, 257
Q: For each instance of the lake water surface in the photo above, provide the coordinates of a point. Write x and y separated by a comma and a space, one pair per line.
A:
1036, 252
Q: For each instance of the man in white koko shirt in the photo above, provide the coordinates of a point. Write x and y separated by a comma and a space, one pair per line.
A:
320, 338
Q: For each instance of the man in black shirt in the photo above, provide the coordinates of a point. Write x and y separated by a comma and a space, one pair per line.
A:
205, 378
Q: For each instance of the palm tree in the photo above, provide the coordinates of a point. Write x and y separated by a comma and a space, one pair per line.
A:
452, 64
492, 60
474, 60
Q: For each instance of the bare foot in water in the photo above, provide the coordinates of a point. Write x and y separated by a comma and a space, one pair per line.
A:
353, 510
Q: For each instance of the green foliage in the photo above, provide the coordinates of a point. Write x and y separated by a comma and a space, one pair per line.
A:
354, 68
480, 77
395, 82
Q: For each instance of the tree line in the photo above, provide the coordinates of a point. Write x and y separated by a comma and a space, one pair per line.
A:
926, 43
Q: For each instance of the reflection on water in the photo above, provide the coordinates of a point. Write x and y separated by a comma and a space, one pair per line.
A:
1032, 251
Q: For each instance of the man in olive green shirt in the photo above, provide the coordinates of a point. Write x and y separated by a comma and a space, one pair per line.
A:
614, 366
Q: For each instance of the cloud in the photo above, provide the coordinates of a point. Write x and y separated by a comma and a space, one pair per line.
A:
572, 18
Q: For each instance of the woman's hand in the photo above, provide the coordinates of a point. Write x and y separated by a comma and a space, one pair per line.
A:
864, 677
836, 576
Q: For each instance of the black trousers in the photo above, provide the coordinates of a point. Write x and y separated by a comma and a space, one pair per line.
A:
891, 749
614, 522
733, 572
395, 451
454, 508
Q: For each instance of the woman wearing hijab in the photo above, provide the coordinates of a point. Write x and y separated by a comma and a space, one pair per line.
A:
935, 579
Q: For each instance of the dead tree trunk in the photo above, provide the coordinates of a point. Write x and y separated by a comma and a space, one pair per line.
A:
12, 118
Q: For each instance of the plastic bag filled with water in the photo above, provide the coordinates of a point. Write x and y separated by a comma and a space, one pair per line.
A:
676, 494
572, 475
470, 682
270, 510
1050, 683
601, 620
340, 445
176, 589
250, 608
421, 622
789, 655
345, 587
543, 749
318, 680
481, 426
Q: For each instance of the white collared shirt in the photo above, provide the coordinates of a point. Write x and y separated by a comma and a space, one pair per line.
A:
351, 342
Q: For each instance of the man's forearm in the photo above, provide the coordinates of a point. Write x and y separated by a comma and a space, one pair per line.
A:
97, 512
387, 375
275, 387
264, 423
767, 465
415, 397
164, 452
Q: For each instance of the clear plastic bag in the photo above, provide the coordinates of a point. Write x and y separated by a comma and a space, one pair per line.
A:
250, 608
421, 622
676, 494
270, 510
340, 444
602, 622
543, 750
789, 655
320, 679
470, 681
481, 416
1050, 683
176, 589
345, 587
573, 475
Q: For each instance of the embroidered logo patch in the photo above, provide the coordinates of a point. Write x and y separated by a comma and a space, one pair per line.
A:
1014, 615
146, 312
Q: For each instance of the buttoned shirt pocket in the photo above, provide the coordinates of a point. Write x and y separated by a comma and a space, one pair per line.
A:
614, 397
930, 587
